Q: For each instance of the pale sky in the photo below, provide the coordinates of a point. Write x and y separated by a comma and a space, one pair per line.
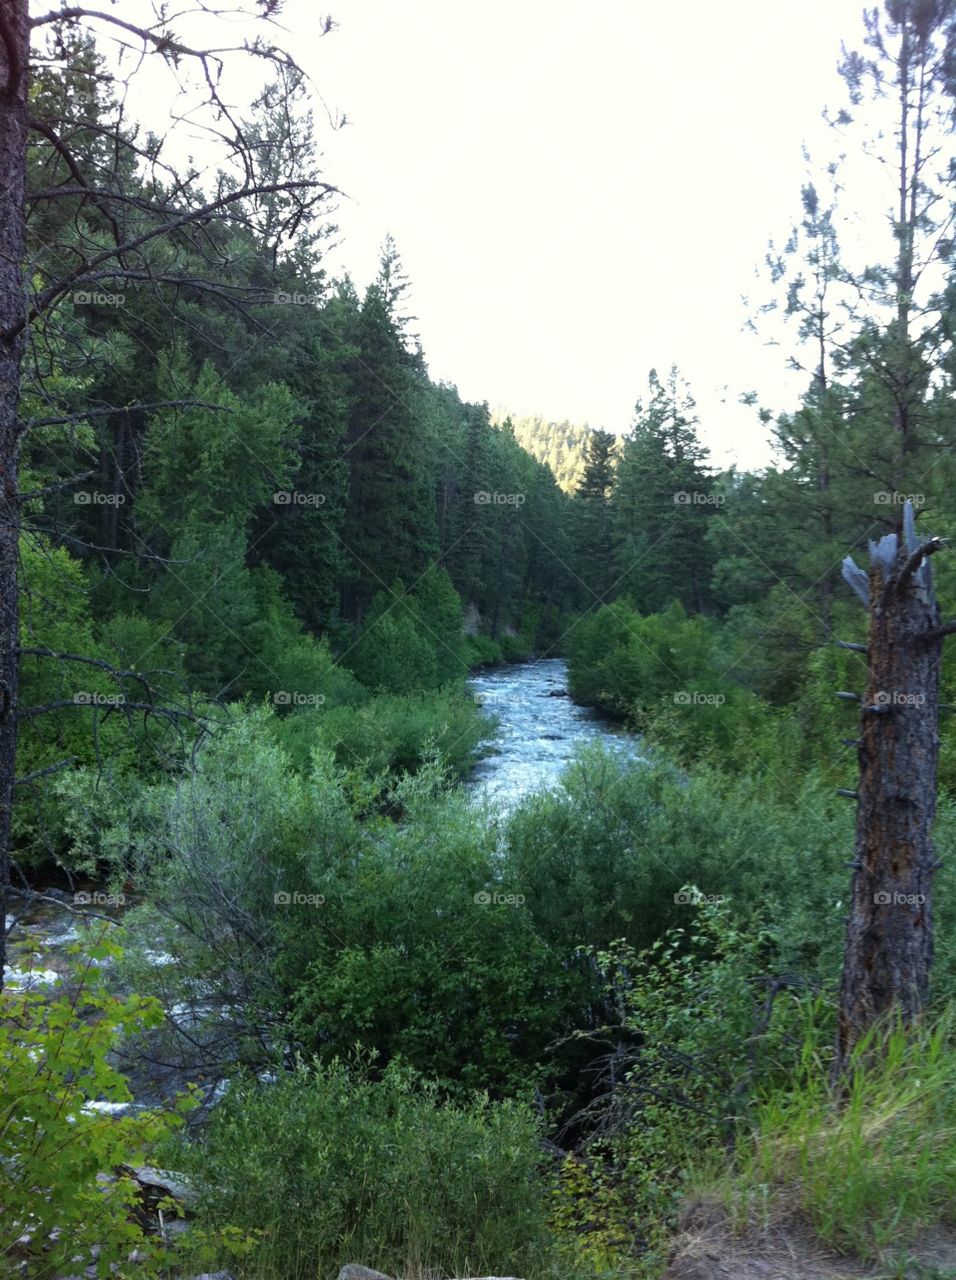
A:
581, 192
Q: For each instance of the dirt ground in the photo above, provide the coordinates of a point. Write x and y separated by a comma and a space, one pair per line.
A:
707, 1249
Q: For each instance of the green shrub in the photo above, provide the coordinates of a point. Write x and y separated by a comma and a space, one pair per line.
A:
334, 1166
482, 651
84, 731
393, 655
516, 647
395, 734
605, 855
664, 675
429, 954
55, 1148
696, 1041
323, 931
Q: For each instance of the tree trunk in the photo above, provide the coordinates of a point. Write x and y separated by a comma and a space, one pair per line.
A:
889, 944
14, 59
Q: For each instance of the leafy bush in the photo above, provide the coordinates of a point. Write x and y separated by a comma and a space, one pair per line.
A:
430, 954
56, 1147
336, 1166
482, 651
395, 734
517, 646
209, 852
698, 1031
605, 855
393, 655
316, 929
663, 674
82, 729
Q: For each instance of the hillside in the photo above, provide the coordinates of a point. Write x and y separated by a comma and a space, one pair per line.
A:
561, 446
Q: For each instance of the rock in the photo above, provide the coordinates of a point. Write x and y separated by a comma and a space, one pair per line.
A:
214, 1275
558, 693
173, 1228
355, 1271
158, 1184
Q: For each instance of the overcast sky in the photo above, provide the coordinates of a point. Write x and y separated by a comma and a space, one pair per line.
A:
582, 191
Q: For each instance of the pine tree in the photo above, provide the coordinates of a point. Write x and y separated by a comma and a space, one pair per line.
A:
592, 516
389, 526
661, 502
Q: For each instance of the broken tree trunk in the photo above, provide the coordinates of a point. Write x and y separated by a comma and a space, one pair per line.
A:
889, 941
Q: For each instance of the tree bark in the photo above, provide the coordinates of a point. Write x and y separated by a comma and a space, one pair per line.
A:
889, 943
14, 61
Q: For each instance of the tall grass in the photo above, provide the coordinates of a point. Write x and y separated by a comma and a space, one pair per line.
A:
868, 1165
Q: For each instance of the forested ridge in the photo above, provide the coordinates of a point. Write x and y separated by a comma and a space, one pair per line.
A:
692, 1001
562, 446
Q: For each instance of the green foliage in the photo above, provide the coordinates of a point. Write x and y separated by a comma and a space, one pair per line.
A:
872, 1166
661, 502
215, 462
431, 954
60, 1151
406, 938
561, 446
394, 734
412, 642
482, 651
605, 856
701, 1033
664, 673
393, 654
438, 609
333, 1164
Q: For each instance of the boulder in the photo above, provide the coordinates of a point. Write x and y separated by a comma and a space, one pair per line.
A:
355, 1271
157, 1185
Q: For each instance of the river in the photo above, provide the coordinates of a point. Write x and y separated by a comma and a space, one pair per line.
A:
539, 729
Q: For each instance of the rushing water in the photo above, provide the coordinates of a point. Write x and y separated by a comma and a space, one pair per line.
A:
539, 729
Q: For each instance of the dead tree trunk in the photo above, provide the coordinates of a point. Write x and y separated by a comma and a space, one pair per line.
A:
14, 57
889, 941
